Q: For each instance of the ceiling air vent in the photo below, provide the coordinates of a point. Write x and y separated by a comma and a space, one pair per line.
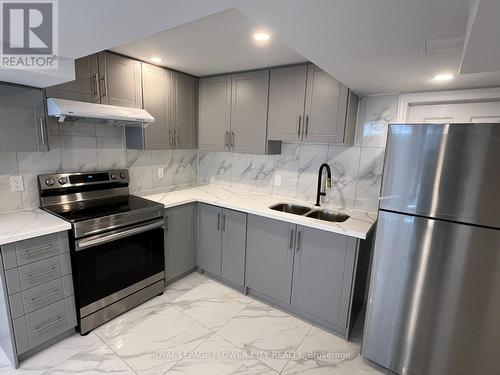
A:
443, 46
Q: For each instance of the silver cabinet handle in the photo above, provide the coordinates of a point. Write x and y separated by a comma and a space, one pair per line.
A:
300, 126
166, 223
36, 299
42, 132
218, 221
176, 137
116, 235
170, 137
299, 235
42, 327
307, 126
95, 83
105, 83
40, 249
34, 275
232, 140
226, 140
223, 222
292, 232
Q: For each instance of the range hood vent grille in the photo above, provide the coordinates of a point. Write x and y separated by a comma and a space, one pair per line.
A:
71, 110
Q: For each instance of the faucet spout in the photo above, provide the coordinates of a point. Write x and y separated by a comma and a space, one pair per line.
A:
320, 178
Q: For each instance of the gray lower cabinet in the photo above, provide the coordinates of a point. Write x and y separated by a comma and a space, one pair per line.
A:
36, 293
180, 240
85, 87
269, 259
24, 124
322, 274
221, 242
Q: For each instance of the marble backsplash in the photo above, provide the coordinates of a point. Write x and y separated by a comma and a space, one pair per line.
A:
89, 146
356, 170
83, 146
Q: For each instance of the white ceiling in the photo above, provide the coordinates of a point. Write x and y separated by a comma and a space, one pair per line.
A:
218, 43
372, 46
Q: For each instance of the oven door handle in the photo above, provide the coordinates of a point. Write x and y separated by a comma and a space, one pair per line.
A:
116, 235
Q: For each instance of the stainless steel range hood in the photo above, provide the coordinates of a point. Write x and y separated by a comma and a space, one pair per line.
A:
63, 109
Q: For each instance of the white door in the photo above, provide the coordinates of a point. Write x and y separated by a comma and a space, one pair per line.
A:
454, 112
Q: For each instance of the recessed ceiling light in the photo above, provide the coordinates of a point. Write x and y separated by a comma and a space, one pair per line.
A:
443, 77
261, 37
155, 60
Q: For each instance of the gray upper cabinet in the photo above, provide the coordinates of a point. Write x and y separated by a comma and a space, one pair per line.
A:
307, 104
180, 240
158, 135
319, 267
209, 238
119, 80
184, 94
234, 230
85, 87
287, 89
269, 259
214, 113
24, 127
325, 108
249, 112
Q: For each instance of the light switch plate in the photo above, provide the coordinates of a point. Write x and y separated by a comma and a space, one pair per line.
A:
16, 183
160, 172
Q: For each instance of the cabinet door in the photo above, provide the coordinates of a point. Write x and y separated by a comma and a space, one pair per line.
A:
234, 229
325, 107
214, 112
120, 80
269, 260
209, 238
184, 112
318, 275
85, 87
287, 88
22, 111
179, 240
155, 102
249, 98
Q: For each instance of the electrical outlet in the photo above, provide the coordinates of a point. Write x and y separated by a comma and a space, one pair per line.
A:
16, 183
277, 180
160, 172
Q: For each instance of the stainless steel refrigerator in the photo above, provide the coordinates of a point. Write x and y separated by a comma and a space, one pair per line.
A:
434, 301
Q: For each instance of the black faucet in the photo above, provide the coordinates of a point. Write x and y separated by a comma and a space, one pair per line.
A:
328, 181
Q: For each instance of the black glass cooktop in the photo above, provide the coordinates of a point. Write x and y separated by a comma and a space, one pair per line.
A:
95, 208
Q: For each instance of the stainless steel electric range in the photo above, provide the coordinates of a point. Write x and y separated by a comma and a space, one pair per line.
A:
116, 240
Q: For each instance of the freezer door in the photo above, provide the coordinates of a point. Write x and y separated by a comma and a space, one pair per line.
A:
434, 305
445, 171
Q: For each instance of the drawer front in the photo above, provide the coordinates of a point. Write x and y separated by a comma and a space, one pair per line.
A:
42, 295
40, 272
34, 249
46, 323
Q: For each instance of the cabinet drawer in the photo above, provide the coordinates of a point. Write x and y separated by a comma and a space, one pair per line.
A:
33, 274
34, 249
42, 325
37, 297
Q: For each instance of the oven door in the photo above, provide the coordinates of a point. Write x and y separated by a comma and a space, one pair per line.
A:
113, 265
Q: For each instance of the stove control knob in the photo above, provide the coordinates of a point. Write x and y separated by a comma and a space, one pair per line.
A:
123, 175
50, 181
114, 176
63, 180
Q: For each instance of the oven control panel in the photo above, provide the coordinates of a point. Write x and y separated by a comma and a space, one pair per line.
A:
81, 179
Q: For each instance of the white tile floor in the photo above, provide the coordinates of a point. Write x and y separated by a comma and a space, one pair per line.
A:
199, 326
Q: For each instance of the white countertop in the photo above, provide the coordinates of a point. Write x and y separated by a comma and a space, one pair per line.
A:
24, 224
358, 225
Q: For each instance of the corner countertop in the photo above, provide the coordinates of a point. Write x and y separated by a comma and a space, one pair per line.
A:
358, 225
24, 224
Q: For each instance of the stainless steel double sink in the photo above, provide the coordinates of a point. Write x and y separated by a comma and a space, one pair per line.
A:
296, 209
